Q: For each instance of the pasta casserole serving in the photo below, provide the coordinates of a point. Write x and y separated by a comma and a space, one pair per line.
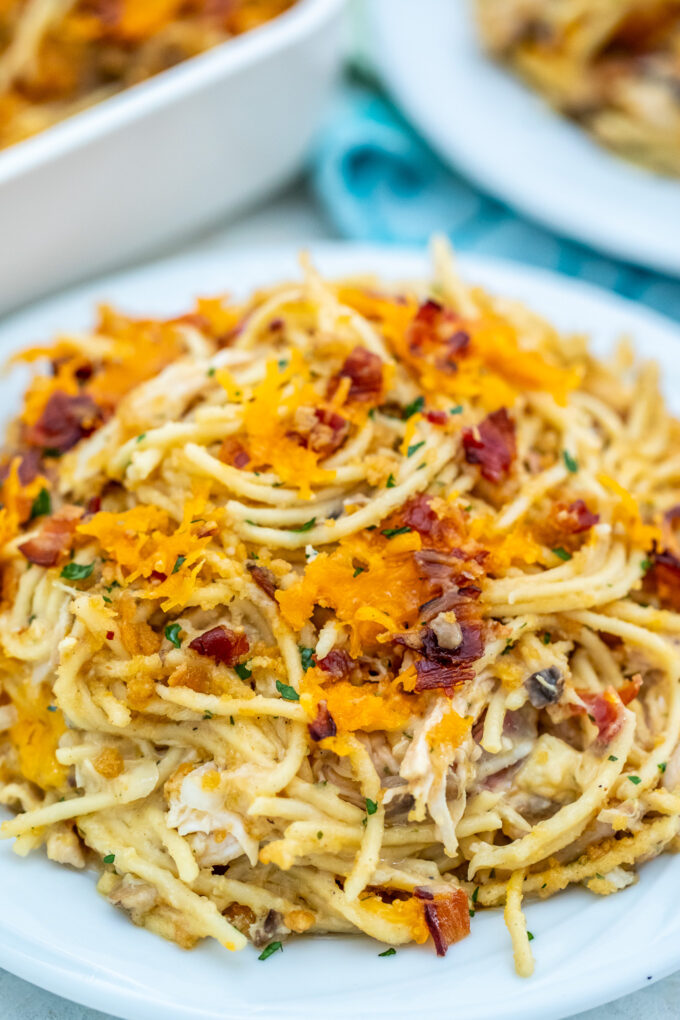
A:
58, 57
611, 65
352, 607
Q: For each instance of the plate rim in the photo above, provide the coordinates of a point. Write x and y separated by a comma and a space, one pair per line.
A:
552, 214
98, 990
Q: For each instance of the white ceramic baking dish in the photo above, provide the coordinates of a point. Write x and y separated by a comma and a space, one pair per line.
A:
166, 157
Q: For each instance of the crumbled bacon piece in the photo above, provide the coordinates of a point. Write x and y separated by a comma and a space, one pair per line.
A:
221, 644
323, 725
574, 518
64, 422
605, 710
365, 372
447, 668
663, 577
319, 429
337, 663
54, 539
630, 690
447, 916
437, 417
438, 328
263, 578
94, 505
492, 445
233, 452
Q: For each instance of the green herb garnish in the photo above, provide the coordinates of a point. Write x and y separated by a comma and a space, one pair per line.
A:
371, 806
172, 634
661, 766
42, 504
612, 757
570, 464
393, 532
390, 482
562, 553
273, 947
307, 526
306, 657
416, 405
413, 449
109, 859
287, 692
178, 563
242, 670
456, 410
77, 571
388, 952
635, 780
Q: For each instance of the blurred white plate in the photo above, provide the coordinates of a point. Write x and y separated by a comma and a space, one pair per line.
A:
58, 933
498, 132
168, 156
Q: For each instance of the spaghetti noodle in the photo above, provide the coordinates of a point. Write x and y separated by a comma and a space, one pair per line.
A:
352, 607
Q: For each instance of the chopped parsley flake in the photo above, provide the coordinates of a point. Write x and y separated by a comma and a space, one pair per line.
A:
390, 482
562, 553
142, 435
371, 806
306, 657
211, 371
645, 565
207, 714
319, 834
570, 464
612, 757
178, 563
598, 875
547, 638
661, 766
109, 859
359, 570
393, 532
456, 410
635, 779
307, 526
388, 952
287, 692
42, 504
530, 936
416, 405
413, 449
51, 708
272, 948
77, 571
172, 634
475, 894
242, 670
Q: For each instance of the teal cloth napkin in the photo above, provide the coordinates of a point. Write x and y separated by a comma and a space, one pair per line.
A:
378, 181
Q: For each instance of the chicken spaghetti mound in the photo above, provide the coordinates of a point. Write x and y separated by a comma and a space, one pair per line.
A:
350, 608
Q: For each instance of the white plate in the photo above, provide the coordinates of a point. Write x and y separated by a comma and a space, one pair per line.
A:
503, 136
58, 933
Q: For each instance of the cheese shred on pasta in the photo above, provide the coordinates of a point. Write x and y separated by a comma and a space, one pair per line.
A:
350, 608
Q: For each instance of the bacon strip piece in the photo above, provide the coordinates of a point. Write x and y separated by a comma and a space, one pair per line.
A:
64, 422
574, 518
54, 539
263, 578
323, 725
319, 429
492, 445
606, 711
440, 329
664, 577
365, 372
447, 916
337, 663
221, 644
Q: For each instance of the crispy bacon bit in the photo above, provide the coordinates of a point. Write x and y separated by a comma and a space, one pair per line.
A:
233, 452
630, 690
439, 328
447, 916
221, 644
64, 422
492, 445
263, 578
574, 518
663, 577
365, 372
323, 725
337, 663
437, 417
447, 668
53, 541
605, 710
94, 505
319, 429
